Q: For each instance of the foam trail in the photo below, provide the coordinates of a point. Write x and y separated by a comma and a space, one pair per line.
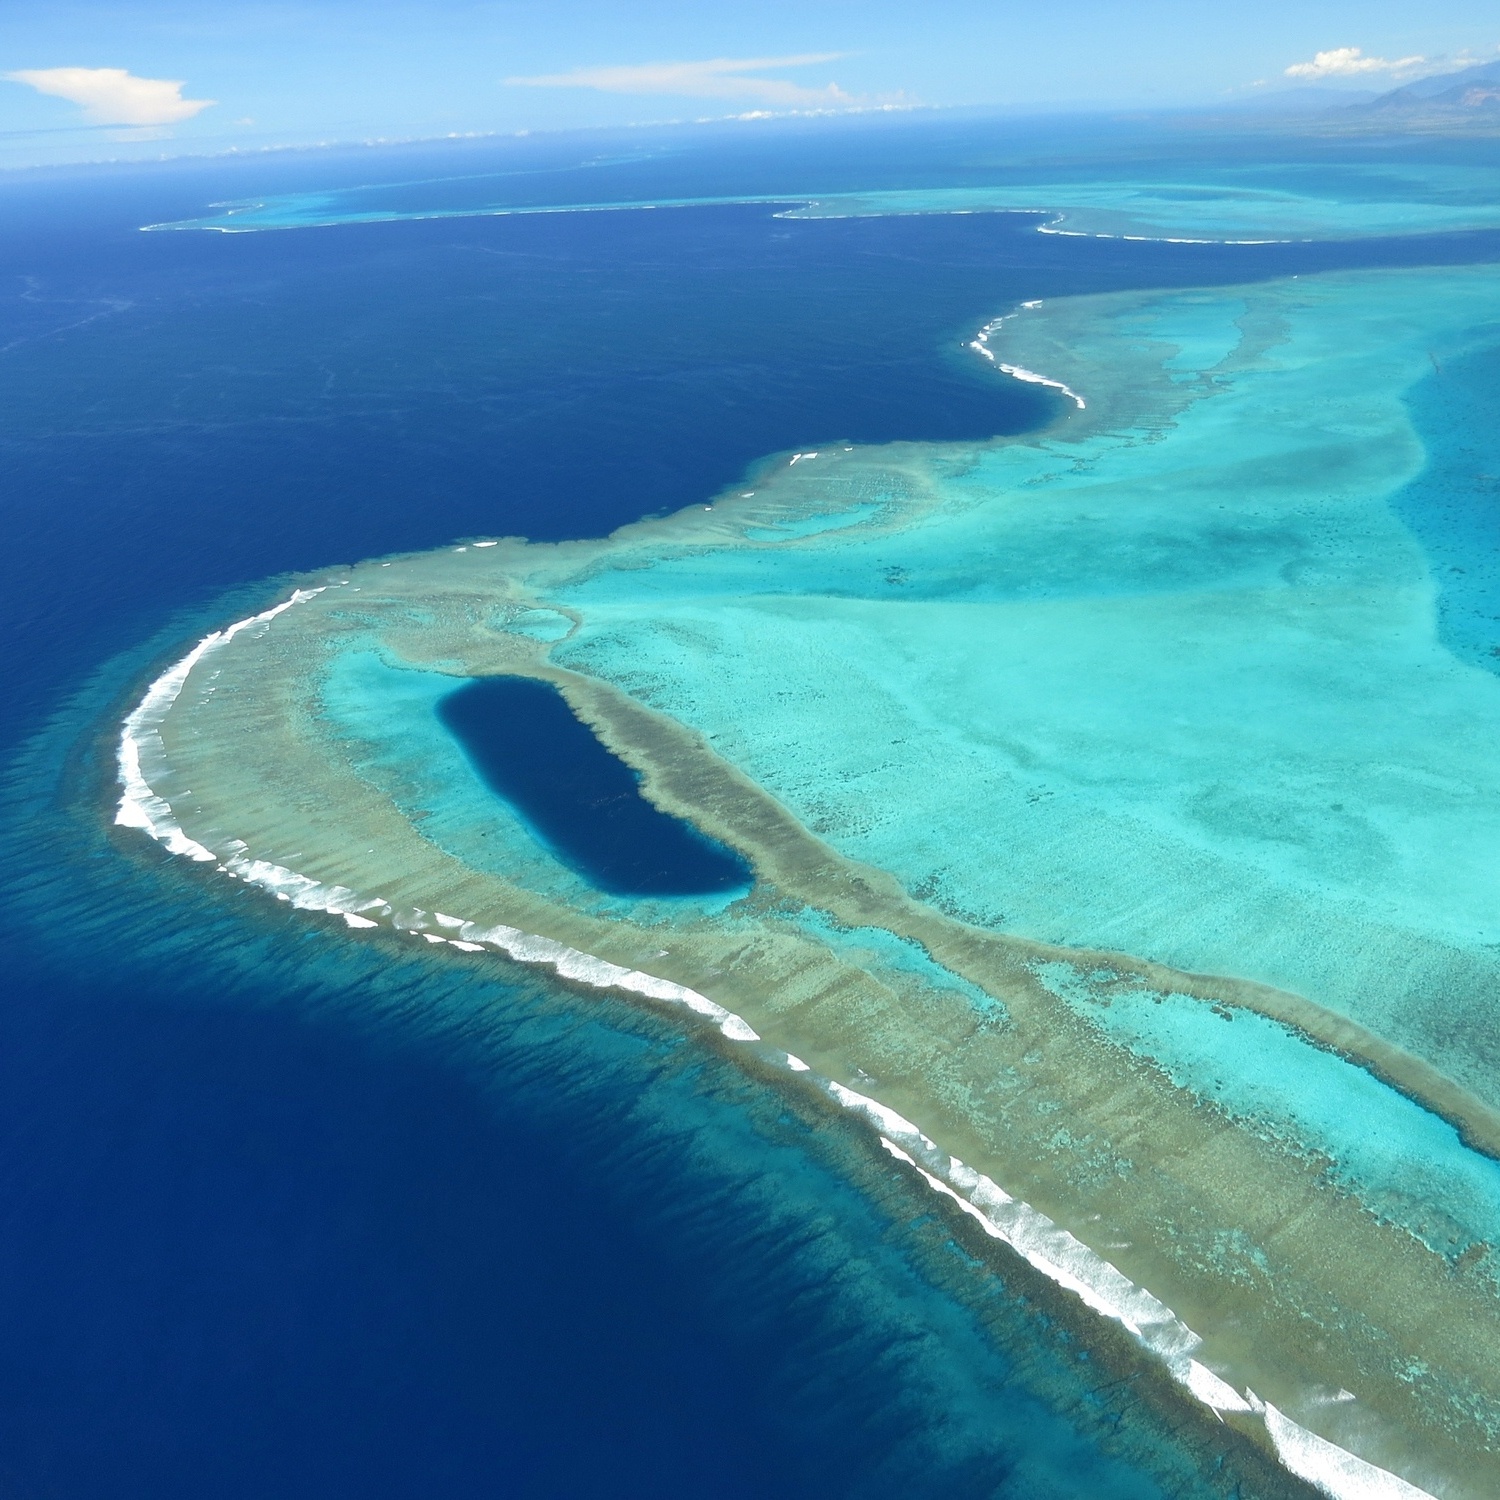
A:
1044, 1244
981, 344
585, 968
1335, 1471
1150, 239
140, 739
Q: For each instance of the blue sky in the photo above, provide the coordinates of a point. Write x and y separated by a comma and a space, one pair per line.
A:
88, 80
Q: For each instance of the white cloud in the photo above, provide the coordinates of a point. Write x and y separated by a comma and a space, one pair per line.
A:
111, 96
1351, 62
715, 78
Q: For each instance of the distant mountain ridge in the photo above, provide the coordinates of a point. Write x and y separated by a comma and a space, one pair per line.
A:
1467, 91
1464, 101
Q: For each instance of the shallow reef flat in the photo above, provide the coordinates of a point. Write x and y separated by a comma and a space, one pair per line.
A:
1223, 204
1293, 200
1122, 831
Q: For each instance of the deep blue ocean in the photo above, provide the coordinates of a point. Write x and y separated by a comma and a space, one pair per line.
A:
285, 1212
579, 798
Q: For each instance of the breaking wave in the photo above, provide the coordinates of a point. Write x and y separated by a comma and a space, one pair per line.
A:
1042, 1243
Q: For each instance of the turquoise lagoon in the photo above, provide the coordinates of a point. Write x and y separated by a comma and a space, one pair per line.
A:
1190, 669
388, 715
1188, 687
1205, 674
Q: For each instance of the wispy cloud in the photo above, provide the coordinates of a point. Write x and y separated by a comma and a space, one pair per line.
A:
112, 96
715, 78
1351, 62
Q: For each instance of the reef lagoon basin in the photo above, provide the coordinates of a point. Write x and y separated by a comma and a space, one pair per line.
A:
803, 817
1156, 643
584, 803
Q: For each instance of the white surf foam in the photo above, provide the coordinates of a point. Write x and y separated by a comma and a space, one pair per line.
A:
1151, 239
981, 345
141, 749
1044, 1244
1335, 1471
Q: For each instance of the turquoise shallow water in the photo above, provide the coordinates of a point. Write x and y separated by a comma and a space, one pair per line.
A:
246, 1237
1181, 689
289, 1213
1403, 1162
389, 714
1222, 203
1244, 205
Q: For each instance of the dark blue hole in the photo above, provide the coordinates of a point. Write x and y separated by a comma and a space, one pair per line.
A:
582, 800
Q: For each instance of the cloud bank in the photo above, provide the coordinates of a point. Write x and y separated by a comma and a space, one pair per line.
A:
111, 96
1351, 62
715, 78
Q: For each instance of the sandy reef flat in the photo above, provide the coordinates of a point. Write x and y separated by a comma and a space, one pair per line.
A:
1182, 202
1119, 818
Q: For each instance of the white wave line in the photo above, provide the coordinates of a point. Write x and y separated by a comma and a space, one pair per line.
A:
981, 345
140, 739
1044, 1244
1150, 239
798, 208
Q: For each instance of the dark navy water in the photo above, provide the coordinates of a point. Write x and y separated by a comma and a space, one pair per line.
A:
286, 1212
582, 800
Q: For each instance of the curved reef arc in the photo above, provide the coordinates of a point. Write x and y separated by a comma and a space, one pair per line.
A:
828, 672
1226, 206
1048, 1248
